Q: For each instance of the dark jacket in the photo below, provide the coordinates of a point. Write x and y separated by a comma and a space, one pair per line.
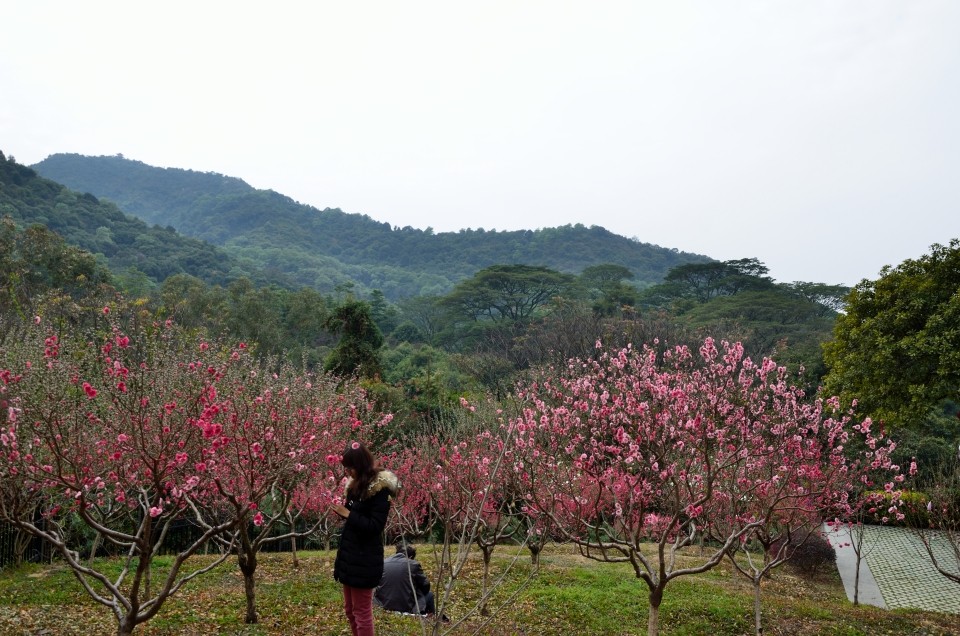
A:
404, 587
359, 561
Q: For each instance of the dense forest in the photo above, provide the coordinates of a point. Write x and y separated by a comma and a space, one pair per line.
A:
320, 297
130, 248
325, 248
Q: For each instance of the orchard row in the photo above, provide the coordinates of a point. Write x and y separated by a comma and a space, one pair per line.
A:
132, 426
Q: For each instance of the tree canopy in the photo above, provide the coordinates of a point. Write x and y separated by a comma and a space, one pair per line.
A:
897, 347
360, 340
508, 292
703, 281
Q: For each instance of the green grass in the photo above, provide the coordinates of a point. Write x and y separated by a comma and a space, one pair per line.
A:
571, 595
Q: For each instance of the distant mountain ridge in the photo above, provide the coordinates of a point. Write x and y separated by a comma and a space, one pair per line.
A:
326, 248
123, 242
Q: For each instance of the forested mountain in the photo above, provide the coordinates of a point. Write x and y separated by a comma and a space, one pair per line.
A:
428, 318
470, 311
127, 244
326, 248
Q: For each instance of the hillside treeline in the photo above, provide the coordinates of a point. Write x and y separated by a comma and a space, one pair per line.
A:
326, 248
476, 329
422, 354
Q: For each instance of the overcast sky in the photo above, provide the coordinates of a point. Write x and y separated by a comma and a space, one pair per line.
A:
821, 137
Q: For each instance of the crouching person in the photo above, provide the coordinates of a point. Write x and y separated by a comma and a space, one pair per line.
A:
404, 587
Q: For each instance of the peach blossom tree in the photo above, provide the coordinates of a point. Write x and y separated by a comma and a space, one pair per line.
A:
271, 442
103, 427
634, 454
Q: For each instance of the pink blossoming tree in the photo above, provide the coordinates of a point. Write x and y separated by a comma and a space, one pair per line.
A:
104, 430
635, 453
453, 481
272, 440
820, 464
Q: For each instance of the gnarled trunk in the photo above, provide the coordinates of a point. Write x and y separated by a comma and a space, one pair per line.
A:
248, 566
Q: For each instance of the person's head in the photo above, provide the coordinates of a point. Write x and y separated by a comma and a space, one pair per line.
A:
405, 548
357, 457
359, 462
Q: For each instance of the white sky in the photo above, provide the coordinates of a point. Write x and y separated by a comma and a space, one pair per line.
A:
822, 137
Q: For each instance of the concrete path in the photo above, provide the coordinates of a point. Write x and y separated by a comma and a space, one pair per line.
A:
869, 591
896, 571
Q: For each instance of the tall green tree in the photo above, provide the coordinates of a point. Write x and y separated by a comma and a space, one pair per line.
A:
358, 351
607, 289
192, 303
701, 282
897, 347
384, 314
303, 324
832, 298
253, 314
36, 260
507, 292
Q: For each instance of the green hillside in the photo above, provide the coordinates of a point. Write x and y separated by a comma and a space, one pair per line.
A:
430, 314
326, 248
126, 244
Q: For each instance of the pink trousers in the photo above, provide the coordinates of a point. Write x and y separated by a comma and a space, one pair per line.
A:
358, 605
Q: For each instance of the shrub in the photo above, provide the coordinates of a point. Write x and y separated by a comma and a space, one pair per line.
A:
810, 556
913, 505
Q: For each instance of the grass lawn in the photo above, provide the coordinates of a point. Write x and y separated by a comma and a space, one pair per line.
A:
570, 595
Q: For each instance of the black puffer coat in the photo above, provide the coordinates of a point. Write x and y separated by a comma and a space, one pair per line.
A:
359, 560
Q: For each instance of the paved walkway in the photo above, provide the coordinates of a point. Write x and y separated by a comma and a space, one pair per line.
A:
896, 571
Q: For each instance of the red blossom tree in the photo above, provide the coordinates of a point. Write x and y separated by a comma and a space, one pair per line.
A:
452, 482
103, 429
272, 440
635, 453
818, 464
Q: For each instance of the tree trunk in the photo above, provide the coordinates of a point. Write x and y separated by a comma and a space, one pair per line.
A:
93, 549
756, 606
248, 566
487, 553
653, 620
126, 626
293, 549
21, 543
249, 588
856, 583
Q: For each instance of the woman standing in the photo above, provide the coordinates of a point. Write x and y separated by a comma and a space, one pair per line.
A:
359, 563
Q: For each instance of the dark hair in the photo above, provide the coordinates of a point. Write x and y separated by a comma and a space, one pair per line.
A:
357, 457
405, 548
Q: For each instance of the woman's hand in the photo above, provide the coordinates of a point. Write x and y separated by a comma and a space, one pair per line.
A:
341, 511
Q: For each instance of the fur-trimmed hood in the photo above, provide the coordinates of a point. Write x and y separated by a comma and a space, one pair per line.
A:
384, 480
